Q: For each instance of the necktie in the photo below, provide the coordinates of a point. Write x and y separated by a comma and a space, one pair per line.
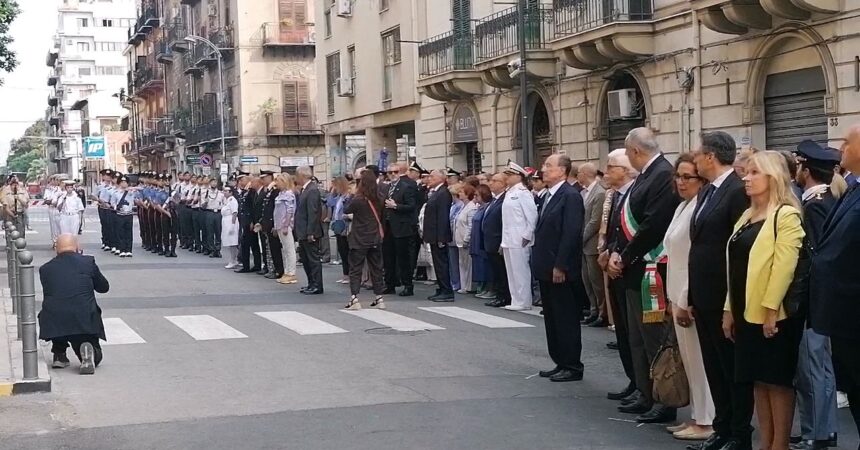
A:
709, 191
546, 199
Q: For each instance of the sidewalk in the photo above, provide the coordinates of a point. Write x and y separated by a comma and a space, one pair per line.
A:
12, 359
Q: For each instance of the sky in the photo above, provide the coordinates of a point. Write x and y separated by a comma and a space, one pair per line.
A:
24, 94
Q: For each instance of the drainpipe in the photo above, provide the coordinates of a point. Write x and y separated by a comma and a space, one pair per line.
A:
697, 73
494, 146
557, 110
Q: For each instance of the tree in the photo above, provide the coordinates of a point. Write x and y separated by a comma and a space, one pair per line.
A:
8, 12
22, 162
38, 169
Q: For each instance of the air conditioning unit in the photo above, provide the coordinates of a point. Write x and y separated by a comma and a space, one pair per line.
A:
345, 87
344, 8
515, 67
622, 103
312, 37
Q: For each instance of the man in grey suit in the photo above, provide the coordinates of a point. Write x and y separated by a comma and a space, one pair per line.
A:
309, 229
594, 195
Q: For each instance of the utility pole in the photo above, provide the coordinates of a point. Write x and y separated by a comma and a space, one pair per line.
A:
525, 132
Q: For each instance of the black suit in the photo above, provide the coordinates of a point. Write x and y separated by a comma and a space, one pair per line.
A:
558, 245
710, 229
652, 202
250, 241
491, 229
267, 223
257, 217
70, 313
617, 294
309, 232
815, 212
400, 222
835, 288
437, 233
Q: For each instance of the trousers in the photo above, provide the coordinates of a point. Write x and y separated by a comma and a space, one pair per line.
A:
59, 345
275, 250
519, 276
288, 251
357, 259
440, 267
250, 244
645, 340
309, 253
561, 311
169, 232
592, 278
212, 229
618, 302
816, 387
124, 233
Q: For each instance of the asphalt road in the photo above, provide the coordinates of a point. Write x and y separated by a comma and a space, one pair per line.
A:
201, 358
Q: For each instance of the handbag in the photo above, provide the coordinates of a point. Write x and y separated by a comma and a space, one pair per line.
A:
670, 384
338, 227
796, 300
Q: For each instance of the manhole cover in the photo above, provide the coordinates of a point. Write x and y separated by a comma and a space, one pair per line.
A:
392, 332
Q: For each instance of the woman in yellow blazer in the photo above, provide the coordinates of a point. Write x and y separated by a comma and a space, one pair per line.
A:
762, 256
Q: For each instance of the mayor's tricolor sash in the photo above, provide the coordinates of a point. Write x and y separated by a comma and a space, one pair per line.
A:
653, 292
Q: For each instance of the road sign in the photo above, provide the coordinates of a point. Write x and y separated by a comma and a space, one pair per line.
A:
250, 160
94, 147
192, 160
205, 160
207, 170
295, 161
225, 168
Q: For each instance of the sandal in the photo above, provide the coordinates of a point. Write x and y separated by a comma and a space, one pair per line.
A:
354, 304
378, 303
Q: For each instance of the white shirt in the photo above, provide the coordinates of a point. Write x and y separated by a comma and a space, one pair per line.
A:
588, 189
623, 189
722, 178
71, 203
305, 186
650, 161
519, 217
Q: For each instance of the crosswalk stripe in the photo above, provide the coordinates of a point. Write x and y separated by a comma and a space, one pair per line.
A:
118, 332
205, 327
476, 317
392, 320
302, 324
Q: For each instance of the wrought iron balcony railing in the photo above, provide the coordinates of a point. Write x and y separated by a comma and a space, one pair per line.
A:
147, 75
277, 34
498, 34
576, 16
446, 52
210, 131
176, 32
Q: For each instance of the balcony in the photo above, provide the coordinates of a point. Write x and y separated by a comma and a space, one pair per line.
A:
53, 80
181, 121
135, 35
148, 141
189, 63
292, 130
164, 128
599, 33
52, 57
148, 17
447, 67
148, 79
176, 33
52, 100
280, 35
740, 16
163, 52
497, 43
209, 132
189, 2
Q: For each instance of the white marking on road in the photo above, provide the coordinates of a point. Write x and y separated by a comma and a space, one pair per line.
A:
394, 321
476, 317
205, 327
300, 323
118, 332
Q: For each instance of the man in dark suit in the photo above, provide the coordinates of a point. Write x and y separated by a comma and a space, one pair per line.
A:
719, 205
70, 314
647, 210
415, 173
437, 233
815, 382
250, 240
400, 221
834, 284
491, 228
309, 230
556, 261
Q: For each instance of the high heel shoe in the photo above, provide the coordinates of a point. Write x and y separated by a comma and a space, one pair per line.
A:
354, 304
378, 303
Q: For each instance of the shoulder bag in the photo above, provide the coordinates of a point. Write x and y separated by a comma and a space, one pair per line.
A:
378, 222
670, 384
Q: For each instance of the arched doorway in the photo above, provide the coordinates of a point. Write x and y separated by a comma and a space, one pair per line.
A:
359, 161
619, 121
540, 127
794, 108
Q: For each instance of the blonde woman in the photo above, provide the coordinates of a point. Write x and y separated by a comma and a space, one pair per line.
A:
284, 215
762, 255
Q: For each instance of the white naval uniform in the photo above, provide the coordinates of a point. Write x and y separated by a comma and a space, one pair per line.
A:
519, 219
51, 194
69, 207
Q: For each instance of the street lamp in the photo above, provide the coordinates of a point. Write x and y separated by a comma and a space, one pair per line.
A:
201, 40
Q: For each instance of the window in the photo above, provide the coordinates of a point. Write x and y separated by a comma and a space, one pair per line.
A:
83, 23
391, 57
107, 22
85, 71
83, 46
297, 106
383, 5
109, 70
350, 61
332, 65
328, 23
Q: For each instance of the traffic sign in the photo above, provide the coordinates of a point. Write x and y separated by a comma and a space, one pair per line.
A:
250, 160
94, 147
205, 160
192, 159
225, 168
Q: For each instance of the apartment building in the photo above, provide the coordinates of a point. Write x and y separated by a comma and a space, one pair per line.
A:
769, 72
86, 60
368, 105
232, 80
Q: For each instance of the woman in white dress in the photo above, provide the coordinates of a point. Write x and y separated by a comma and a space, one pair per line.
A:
677, 244
69, 209
230, 228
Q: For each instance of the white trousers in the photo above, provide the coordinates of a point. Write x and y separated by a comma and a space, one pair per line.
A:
69, 224
701, 403
231, 254
288, 251
465, 260
519, 276
52, 220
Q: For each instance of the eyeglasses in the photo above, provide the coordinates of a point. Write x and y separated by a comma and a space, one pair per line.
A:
686, 177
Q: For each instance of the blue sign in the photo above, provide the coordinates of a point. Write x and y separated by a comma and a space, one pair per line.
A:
250, 160
94, 147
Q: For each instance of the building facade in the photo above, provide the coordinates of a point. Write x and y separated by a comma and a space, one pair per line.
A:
86, 60
769, 72
224, 85
367, 64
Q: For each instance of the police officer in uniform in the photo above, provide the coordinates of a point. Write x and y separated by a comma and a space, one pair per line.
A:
212, 203
257, 217
122, 199
416, 174
196, 215
102, 196
267, 224
815, 382
249, 241
141, 202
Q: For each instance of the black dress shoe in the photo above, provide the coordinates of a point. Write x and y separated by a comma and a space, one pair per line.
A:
658, 414
715, 442
171, 255
631, 399
734, 444
617, 396
810, 445
497, 303
443, 298
317, 291
305, 289
263, 271
589, 319
389, 291
537, 302
549, 373
612, 345
271, 276
599, 323
640, 406
407, 292
566, 375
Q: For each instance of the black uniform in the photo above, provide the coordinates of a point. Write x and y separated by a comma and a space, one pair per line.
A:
267, 224
250, 242
261, 238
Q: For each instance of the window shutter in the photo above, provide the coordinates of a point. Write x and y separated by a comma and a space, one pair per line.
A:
306, 121
291, 106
